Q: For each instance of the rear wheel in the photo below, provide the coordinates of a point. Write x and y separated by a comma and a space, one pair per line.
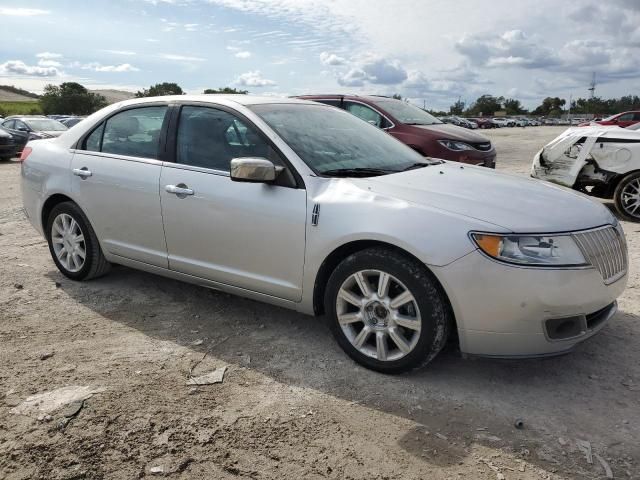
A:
73, 244
387, 311
627, 197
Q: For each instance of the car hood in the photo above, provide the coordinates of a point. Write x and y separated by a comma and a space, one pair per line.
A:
514, 203
447, 131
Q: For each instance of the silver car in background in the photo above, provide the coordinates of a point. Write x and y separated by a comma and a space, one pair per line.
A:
305, 206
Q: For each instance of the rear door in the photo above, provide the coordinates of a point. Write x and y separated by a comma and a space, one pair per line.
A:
248, 235
116, 175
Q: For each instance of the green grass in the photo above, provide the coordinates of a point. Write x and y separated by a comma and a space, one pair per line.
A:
19, 108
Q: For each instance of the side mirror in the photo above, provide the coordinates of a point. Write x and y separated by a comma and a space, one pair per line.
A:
254, 169
22, 129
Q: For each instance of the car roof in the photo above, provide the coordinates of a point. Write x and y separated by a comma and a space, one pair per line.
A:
219, 99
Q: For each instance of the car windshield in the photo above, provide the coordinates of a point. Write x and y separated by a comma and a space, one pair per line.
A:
329, 140
44, 124
407, 113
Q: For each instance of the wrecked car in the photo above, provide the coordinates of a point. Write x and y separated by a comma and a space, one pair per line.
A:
602, 161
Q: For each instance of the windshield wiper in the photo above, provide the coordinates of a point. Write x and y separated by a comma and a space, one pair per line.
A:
357, 172
413, 166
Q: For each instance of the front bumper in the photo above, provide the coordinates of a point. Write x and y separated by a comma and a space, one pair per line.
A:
510, 311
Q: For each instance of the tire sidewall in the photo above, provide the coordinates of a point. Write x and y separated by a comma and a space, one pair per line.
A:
617, 196
423, 286
73, 211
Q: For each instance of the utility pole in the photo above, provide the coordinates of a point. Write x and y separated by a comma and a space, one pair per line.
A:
592, 86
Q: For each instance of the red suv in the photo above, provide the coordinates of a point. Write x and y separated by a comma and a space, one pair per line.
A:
413, 126
624, 120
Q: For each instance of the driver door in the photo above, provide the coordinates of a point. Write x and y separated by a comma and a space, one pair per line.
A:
247, 235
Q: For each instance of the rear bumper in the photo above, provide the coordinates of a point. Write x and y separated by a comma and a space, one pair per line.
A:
508, 311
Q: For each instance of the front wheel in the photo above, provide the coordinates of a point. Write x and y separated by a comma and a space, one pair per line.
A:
73, 244
627, 197
387, 311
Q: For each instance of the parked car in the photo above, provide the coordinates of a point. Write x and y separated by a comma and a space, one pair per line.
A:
71, 121
624, 119
504, 122
7, 145
305, 206
485, 123
415, 127
519, 122
602, 161
32, 127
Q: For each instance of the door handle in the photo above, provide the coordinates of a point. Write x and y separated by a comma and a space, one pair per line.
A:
180, 190
83, 172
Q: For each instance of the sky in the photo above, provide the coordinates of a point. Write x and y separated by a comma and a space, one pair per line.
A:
430, 51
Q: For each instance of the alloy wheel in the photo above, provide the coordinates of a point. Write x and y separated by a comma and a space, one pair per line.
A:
68, 242
631, 198
379, 315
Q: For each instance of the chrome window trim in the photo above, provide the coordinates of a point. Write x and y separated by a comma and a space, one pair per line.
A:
117, 157
193, 168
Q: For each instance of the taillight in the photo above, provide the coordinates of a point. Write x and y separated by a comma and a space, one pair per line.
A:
26, 151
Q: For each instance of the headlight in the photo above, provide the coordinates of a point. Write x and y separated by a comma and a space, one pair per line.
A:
454, 145
534, 250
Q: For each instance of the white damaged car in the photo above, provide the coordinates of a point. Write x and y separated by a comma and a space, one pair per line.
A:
602, 161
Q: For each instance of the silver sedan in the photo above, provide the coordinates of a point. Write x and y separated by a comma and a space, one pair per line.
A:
305, 206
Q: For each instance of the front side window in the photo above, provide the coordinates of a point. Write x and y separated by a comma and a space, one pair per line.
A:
94, 141
9, 124
329, 140
627, 117
365, 113
134, 132
211, 138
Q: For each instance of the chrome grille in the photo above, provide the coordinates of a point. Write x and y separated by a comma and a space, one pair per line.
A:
606, 250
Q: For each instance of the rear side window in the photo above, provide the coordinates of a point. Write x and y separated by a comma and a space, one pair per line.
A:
627, 117
9, 124
134, 132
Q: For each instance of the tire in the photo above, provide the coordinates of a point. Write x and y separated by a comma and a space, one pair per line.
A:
627, 197
68, 214
428, 309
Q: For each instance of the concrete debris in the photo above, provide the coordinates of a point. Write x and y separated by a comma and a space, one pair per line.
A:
157, 470
605, 466
217, 376
585, 447
197, 342
18, 286
563, 441
46, 355
72, 409
440, 436
48, 402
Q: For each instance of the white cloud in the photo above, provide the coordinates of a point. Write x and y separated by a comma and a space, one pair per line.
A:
48, 55
22, 12
243, 54
97, 67
253, 79
120, 52
181, 58
18, 67
332, 59
48, 63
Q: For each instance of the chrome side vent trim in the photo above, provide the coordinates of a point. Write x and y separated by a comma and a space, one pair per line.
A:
606, 250
315, 215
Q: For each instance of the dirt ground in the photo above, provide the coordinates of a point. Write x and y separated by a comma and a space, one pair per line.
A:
292, 405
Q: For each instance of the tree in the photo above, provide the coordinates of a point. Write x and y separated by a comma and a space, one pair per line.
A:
225, 90
549, 105
160, 89
513, 107
457, 108
70, 98
485, 105
397, 96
